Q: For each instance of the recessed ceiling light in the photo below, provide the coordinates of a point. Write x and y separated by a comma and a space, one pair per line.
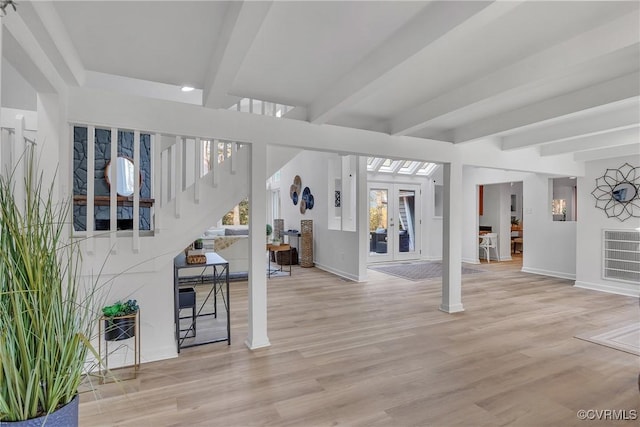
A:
572, 177
187, 88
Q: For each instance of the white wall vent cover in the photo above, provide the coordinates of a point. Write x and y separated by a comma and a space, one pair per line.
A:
621, 257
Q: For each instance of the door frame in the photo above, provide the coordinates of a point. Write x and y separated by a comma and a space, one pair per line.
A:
393, 245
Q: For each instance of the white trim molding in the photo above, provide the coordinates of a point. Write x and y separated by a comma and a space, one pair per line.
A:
610, 288
340, 273
559, 274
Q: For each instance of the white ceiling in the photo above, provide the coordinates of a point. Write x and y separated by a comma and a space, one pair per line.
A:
529, 73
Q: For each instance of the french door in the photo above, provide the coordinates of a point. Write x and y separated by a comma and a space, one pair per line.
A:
394, 221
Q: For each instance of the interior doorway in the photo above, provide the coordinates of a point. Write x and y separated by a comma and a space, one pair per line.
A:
501, 212
394, 221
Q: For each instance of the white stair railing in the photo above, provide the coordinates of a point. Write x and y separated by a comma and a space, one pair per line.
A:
14, 140
180, 166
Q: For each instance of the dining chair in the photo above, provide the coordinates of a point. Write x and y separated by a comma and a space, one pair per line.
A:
489, 241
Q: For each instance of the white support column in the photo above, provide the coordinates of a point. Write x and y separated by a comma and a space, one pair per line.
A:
234, 162
362, 214
156, 180
19, 160
177, 177
136, 192
5, 138
113, 192
3, 133
215, 167
257, 318
91, 163
198, 171
452, 239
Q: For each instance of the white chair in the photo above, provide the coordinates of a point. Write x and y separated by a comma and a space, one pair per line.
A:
487, 242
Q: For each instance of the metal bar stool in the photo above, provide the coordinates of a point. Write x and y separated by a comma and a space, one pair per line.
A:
187, 299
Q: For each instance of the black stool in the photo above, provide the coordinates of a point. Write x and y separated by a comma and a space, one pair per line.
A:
187, 299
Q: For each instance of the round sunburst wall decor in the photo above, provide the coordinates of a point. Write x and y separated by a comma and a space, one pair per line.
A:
617, 192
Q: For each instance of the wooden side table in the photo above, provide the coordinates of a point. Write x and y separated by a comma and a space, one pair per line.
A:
279, 248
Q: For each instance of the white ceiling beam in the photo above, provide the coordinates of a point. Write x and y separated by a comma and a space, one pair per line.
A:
32, 63
557, 60
613, 91
593, 142
631, 151
71, 68
430, 31
587, 125
159, 116
240, 27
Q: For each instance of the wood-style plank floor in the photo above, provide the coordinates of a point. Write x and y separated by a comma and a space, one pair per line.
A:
380, 353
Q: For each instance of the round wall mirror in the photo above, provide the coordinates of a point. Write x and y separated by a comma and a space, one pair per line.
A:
125, 183
624, 192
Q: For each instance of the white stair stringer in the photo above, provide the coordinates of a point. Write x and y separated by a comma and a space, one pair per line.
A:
214, 203
175, 234
278, 156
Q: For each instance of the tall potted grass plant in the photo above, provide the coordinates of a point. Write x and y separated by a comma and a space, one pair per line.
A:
46, 311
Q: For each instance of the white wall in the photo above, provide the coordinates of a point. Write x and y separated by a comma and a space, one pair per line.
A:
549, 246
16, 91
333, 250
591, 222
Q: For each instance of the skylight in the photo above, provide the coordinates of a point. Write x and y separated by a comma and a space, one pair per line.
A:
409, 167
427, 169
402, 167
390, 166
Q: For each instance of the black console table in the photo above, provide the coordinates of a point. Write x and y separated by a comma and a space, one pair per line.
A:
214, 275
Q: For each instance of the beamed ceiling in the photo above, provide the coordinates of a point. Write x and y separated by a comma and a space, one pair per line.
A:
561, 76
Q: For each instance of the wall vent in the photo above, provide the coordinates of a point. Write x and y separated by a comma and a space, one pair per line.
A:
621, 255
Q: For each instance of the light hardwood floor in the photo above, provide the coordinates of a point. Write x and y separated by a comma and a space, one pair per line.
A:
380, 353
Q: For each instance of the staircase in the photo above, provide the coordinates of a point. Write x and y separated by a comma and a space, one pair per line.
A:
188, 200
189, 195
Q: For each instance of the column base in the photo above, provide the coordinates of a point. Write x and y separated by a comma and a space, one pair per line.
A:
257, 344
455, 308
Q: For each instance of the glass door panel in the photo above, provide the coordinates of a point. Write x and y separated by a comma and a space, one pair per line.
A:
394, 222
379, 244
407, 221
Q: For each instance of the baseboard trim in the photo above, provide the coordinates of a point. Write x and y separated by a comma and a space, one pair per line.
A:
610, 289
339, 273
542, 272
160, 354
471, 260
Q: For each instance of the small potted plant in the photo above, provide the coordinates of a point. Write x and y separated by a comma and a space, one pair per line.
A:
119, 324
197, 244
269, 231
